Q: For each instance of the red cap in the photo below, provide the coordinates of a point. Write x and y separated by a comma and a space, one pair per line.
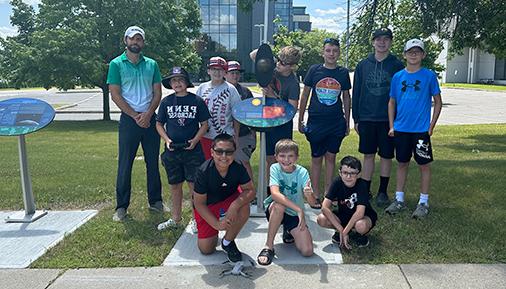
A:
234, 65
217, 62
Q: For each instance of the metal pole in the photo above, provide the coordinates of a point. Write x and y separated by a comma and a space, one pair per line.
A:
26, 182
347, 32
29, 215
262, 184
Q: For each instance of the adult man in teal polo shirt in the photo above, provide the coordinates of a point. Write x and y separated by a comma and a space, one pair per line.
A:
135, 85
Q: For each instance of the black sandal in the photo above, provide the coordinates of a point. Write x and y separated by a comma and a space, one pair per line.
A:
317, 205
287, 237
266, 252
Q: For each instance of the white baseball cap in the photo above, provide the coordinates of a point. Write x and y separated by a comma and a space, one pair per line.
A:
133, 30
414, 43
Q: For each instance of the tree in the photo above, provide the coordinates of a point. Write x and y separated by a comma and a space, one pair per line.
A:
467, 23
311, 44
72, 42
404, 17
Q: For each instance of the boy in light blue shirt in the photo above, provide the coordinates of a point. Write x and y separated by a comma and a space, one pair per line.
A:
289, 184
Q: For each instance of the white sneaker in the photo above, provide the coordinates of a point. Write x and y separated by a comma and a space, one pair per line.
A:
193, 226
167, 224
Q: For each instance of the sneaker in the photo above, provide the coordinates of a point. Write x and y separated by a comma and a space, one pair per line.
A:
167, 224
119, 215
159, 207
382, 200
336, 239
193, 226
287, 237
233, 254
421, 211
395, 207
361, 240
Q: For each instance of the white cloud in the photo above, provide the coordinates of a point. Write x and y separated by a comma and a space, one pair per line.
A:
7, 31
330, 24
337, 11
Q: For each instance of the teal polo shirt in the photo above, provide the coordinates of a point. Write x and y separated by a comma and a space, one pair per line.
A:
136, 80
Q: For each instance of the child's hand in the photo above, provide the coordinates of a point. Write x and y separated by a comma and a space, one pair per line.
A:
391, 132
192, 143
345, 241
269, 92
302, 220
167, 144
308, 193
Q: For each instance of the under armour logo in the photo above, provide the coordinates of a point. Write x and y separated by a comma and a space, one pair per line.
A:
405, 85
420, 145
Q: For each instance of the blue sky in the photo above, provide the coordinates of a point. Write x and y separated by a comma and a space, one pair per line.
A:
325, 14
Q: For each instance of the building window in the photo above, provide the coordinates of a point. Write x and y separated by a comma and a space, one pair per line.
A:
219, 23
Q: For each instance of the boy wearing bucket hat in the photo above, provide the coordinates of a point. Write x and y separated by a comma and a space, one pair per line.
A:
409, 114
181, 123
371, 85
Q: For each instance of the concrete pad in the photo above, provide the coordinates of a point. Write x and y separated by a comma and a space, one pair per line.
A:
23, 243
274, 276
252, 239
455, 275
22, 279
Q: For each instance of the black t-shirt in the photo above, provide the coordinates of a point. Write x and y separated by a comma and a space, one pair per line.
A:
327, 86
349, 198
182, 116
210, 182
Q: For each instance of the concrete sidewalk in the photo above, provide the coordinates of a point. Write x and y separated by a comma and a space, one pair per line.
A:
287, 276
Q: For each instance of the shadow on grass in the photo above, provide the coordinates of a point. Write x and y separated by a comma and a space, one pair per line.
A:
479, 143
83, 126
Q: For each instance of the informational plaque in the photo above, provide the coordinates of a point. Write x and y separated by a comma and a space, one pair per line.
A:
20, 116
251, 112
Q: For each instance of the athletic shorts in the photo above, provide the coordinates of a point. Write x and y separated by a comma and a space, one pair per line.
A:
408, 144
181, 165
289, 222
374, 139
204, 229
206, 144
345, 218
246, 147
330, 143
276, 134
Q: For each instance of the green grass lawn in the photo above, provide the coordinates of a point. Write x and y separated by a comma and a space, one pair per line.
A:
476, 86
73, 166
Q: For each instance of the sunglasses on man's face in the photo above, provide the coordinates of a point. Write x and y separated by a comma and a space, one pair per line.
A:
222, 152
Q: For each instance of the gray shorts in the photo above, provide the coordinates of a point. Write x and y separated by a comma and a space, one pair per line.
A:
246, 147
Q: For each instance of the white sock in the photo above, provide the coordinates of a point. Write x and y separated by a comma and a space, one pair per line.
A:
399, 196
424, 199
226, 242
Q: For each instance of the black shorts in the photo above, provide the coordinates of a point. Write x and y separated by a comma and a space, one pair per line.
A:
345, 218
374, 139
181, 165
276, 134
288, 222
417, 144
330, 143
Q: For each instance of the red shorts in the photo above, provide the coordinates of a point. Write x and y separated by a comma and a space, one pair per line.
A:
206, 144
204, 229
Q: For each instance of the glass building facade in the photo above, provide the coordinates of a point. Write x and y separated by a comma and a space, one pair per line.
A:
283, 11
219, 24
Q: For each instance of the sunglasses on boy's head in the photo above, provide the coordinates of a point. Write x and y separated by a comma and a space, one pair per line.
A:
222, 152
331, 41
